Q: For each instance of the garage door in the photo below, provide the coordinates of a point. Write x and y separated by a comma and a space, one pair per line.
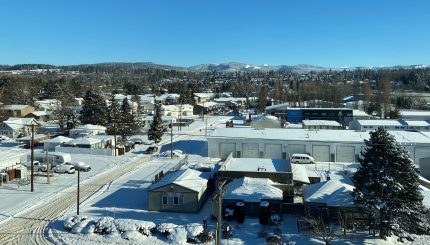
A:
421, 152
273, 151
345, 153
250, 150
296, 149
225, 149
321, 153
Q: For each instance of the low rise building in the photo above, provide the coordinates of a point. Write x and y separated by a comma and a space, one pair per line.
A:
321, 124
7, 111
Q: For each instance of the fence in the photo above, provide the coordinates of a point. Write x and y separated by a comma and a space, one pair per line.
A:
91, 151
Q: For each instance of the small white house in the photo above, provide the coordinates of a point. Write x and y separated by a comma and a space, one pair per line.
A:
85, 130
50, 144
176, 110
15, 127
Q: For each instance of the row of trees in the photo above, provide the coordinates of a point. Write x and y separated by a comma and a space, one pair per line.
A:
119, 119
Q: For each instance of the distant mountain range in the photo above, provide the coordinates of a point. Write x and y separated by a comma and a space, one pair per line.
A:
222, 67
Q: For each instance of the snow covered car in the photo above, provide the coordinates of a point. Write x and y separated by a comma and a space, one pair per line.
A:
64, 168
38, 167
151, 150
175, 153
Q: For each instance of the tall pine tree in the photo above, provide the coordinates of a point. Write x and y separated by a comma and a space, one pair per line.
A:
155, 132
94, 109
114, 115
126, 123
387, 188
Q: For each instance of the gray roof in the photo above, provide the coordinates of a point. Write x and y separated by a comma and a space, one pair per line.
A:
187, 178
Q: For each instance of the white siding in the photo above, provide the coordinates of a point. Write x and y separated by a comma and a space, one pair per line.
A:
293, 148
421, 152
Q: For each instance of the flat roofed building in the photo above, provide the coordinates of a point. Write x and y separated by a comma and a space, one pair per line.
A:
322, 145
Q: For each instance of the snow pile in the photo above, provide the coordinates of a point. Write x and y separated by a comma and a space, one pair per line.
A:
78, 227
105, 225
178, 236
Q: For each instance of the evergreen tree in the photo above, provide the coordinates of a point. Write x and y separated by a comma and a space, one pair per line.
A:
113, 115
387, 188
126, 123
156, 128
94, 109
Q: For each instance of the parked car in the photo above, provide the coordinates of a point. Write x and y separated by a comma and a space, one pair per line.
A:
137, 141
301, 158
64, 168
81, 166
38, 166
151, 150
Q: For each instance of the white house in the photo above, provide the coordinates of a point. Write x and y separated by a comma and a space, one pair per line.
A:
323, 145
50, 144
15, 127
87, 129
48, 104
176, 110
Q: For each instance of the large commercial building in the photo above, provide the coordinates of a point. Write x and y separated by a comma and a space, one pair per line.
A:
323, 145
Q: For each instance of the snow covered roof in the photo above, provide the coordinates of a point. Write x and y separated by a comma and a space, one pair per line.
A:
252, 190
41, 113
91, 127
379, 122
421, 123
414, 113
37, 137
278, 106
84, 141
333, 193
59, 139
359, 113
264, 117
256, 165
204, 95
19, 122
299, 173
320, 123
188, 178
323, 135
13, 107
210, 104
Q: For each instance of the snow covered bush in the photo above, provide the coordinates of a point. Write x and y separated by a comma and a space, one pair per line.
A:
145, 227
105, 225
166, 228
134, 236
78, 227
194, 229
71, 221
178, 235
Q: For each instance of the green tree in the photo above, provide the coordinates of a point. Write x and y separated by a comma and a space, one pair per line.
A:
126, 123
156, 129
94, 109
387, 188
114, 115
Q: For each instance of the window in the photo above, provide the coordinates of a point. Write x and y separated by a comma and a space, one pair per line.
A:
172, 198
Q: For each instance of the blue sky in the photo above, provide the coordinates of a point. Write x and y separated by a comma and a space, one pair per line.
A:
190, 32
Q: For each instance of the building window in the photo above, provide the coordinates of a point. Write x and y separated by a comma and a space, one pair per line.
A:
172, 198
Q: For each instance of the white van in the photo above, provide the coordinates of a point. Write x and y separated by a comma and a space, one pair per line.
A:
301, 158
54, 158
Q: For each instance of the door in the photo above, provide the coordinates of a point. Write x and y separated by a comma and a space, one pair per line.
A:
321, 153
296, 149
273, 151
225, 149
250, 150
421, 152
345, 153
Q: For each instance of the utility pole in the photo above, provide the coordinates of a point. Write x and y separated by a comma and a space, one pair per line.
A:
206, 127
171, 139
77, 200
47, 166
219, 209
32, 157
114, 135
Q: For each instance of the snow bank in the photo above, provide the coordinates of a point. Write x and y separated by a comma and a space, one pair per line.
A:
194, 229
166, 227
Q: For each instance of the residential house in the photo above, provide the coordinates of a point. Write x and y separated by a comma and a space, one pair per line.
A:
16, 127
85, 130
185, 191
206, 108
201, 98
41, 116
15, 110
48, 104
177, 110
50, 144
